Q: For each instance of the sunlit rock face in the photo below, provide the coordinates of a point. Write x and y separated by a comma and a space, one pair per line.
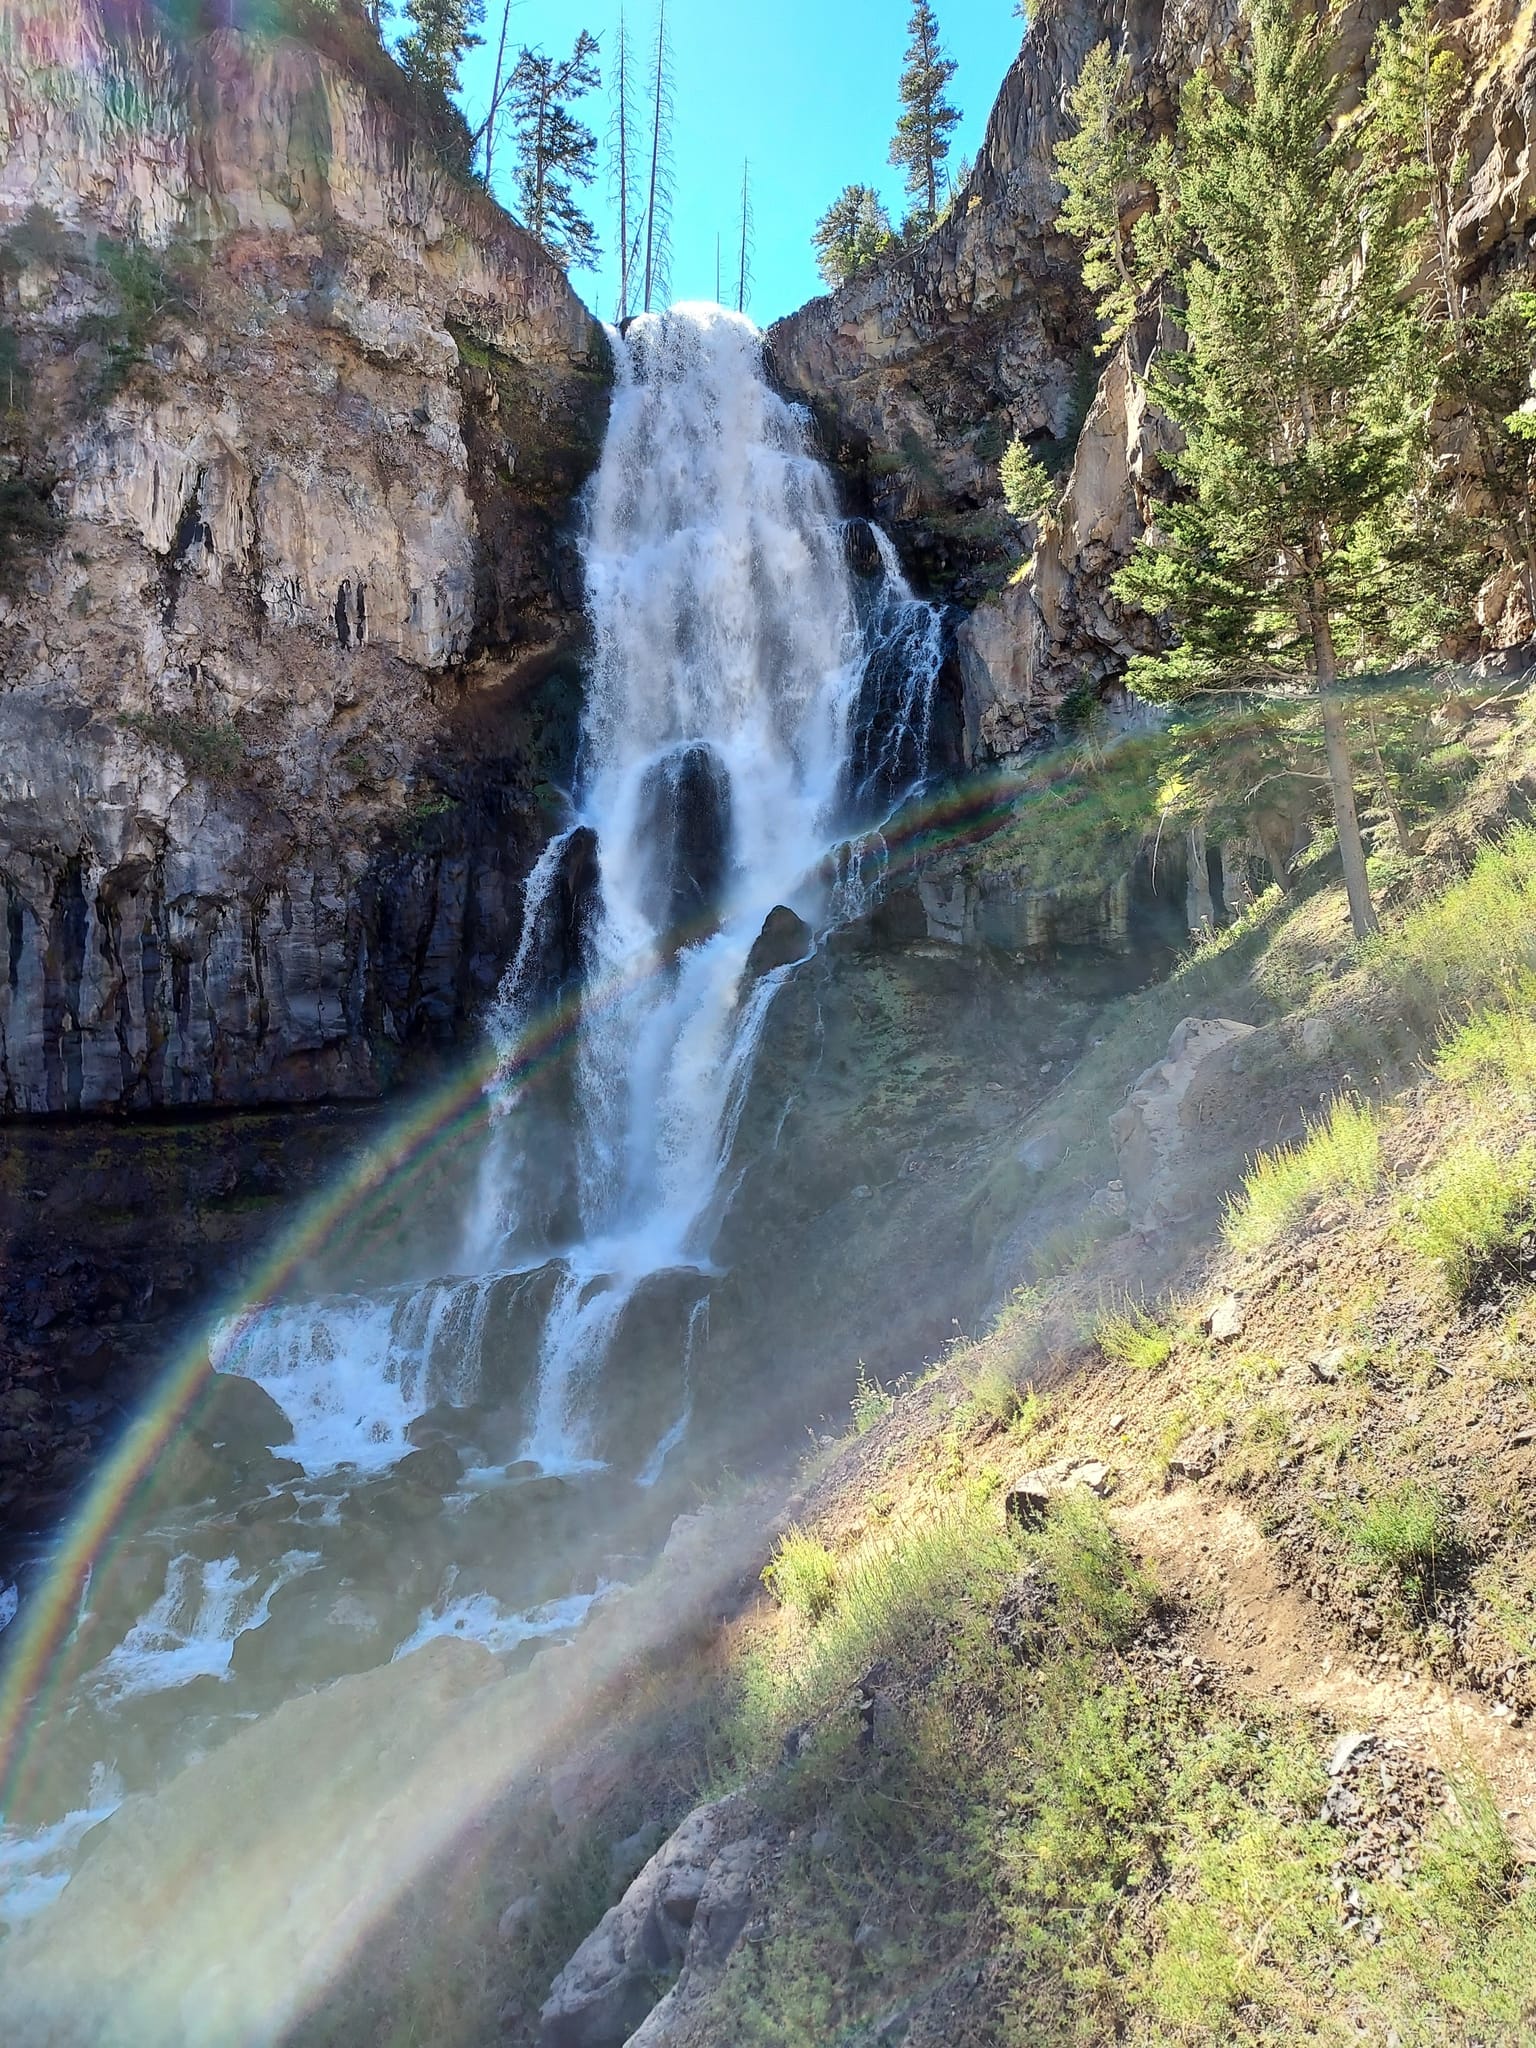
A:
281, 669
922, 371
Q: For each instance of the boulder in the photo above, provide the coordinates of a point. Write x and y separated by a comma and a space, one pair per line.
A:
784, 939
1027, 1500
434, 1466
685, 1911
1160, 1129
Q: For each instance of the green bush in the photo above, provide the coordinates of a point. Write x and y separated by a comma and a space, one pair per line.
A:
1476, 1220
1408, 1532
1132, 1336
1340, 1155
802, 1574
213, 750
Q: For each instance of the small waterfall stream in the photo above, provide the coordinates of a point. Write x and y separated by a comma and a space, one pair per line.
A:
759, 699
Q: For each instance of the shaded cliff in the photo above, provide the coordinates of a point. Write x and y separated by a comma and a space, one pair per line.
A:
923, 370
294, 426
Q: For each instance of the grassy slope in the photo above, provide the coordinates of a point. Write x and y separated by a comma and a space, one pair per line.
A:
1073, 1785
1070, 1785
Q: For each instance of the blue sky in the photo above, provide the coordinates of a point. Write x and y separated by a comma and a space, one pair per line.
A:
804, 88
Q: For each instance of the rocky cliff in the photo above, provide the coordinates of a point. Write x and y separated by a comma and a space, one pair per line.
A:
290, 425
923, 370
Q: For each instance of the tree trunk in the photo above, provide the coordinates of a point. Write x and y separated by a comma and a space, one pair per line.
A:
1389, 796
1199, 909
1341, 777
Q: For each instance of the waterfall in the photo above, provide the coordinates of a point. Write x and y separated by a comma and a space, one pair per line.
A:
759, 699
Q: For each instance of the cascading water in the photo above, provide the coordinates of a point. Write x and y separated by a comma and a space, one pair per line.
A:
759, 699
759, 702
723, 760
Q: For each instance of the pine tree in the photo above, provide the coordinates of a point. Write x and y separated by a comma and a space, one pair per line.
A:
923, 128
854, 232
1296, 550
658, 196
555, 152
499, 86
1101, 165
441, 32
1413, 102
1029, 491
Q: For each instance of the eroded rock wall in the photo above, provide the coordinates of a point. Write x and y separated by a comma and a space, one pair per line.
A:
923, 370
281, 663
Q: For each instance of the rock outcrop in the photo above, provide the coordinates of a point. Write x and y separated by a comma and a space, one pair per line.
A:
683, 1914
922, 370
1172, 1119
280, 649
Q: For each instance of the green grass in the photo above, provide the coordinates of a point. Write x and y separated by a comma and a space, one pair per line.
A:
801, 1574
1464, 946
871, 1402
1474, 1218
1339, 1156
1408, 1533
1497, 1044
1132, 1336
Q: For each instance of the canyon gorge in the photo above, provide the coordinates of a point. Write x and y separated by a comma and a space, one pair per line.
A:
552, 879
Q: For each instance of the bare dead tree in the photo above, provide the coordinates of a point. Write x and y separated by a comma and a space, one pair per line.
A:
658, 202
744, 270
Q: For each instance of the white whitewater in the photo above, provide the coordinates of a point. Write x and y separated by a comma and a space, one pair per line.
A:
731, 753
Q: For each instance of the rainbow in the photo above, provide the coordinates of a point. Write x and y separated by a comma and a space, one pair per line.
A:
38, 1664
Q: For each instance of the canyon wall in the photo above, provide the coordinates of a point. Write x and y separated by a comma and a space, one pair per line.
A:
290, 427
922, 370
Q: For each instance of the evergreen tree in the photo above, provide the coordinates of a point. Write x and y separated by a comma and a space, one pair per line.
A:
854, 232
1102, 164
923, 128
441, 32
555, 152
1301, 397
1028, 489
1413, 102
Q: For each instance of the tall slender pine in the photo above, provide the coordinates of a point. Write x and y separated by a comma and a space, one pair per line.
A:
920, 146
1298, 549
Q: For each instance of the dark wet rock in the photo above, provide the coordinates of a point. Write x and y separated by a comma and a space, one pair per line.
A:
514, 1335
860, 549
434, 1466
784, 939
686, 801
316, 1631
241, 1417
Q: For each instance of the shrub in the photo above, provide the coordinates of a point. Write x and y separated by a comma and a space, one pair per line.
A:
1476, 1222
802, 1574
1408, 1532
213, 750
1340, 1155
871, 1402
1102, 1598
1132, 1336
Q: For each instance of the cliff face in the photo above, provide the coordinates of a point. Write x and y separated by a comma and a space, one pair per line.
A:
296, 422
921, 372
